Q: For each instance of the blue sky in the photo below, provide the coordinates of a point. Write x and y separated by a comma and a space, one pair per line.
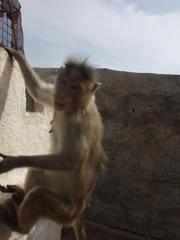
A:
127, 35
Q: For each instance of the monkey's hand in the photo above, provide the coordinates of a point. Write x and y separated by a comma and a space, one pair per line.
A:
13, 53
5, 163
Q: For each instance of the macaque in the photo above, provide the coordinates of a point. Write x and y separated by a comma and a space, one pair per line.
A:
59, 185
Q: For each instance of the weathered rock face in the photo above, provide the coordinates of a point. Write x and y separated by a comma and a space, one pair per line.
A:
140, 191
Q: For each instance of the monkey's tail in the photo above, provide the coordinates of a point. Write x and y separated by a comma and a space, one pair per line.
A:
102, 168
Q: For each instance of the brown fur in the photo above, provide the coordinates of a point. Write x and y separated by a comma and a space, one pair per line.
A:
61, 191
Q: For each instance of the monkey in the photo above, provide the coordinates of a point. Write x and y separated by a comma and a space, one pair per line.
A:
59, 185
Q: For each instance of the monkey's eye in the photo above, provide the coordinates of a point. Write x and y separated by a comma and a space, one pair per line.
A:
64, 82
75, 86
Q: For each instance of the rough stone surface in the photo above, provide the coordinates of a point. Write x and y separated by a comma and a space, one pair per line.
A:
21, 133
141, 190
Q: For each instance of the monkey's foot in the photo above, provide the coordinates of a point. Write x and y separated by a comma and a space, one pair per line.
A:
17, 192
3, 189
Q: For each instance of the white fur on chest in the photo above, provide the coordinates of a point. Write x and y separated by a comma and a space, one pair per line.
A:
65, 127
58, 132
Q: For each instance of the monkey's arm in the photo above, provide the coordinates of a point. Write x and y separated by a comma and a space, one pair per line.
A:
47, 162
41, 92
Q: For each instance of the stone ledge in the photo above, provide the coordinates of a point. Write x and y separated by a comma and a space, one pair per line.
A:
96, 231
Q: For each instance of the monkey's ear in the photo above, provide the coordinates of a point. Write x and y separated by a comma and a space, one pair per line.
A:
61, 69
96, 86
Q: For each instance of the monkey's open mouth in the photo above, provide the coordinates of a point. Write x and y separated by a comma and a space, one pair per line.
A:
60, 106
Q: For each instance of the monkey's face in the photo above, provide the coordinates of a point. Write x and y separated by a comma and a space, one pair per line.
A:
71, 91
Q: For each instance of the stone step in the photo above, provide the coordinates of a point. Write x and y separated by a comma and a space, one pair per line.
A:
97, 231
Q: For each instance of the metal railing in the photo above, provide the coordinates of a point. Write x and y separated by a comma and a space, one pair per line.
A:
11, 34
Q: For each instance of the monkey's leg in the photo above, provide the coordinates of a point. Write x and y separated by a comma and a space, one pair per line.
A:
79, 228
34, 178
43, 203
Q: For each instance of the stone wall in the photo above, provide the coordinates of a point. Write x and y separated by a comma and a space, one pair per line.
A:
141, 190
21, 133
